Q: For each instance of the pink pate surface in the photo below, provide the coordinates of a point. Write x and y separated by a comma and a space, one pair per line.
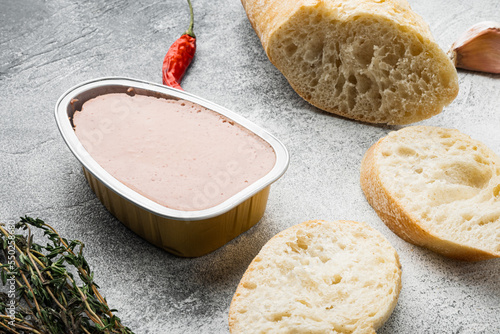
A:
176, 153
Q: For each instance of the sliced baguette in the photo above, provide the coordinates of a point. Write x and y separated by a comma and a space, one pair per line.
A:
369, 60
318, 277
436, 188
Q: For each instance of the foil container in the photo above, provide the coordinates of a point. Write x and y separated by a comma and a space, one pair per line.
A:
183, 233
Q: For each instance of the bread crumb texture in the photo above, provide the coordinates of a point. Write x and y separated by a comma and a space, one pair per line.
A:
319, 277
374, 61
444, 183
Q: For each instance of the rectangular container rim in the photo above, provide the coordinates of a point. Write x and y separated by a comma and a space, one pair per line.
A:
65, 128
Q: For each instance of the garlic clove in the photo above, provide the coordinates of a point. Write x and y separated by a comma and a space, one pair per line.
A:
478, 49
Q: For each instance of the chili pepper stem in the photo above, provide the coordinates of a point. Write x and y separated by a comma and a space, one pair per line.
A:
190, 31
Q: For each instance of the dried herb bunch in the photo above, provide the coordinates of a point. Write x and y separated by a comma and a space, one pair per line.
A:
43, 295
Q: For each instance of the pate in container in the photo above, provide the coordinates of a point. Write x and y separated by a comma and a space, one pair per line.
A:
182, 172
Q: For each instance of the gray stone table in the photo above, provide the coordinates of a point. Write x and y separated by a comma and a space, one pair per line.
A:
47, 46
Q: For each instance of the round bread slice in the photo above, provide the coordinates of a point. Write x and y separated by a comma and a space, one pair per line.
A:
318, 277
436, 188
370, 60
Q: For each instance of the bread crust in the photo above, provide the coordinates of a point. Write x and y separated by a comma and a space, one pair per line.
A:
401, 221
267, 16
366, 327
270, 17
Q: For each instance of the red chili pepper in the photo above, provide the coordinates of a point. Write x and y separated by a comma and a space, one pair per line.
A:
179, 56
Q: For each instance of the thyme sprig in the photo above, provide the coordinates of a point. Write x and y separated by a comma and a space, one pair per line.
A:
44, 296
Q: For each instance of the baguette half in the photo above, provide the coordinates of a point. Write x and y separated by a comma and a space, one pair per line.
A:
436, 188
339, 277
370, 60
